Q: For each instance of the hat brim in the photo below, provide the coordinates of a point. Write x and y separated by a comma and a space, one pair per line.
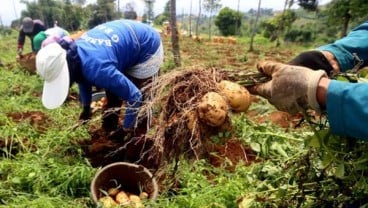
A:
55, 92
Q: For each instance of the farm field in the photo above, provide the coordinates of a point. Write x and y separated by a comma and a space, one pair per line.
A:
260, 158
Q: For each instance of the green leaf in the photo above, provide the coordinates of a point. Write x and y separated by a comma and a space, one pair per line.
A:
246, 202
313, 141
340, 171
326, 160
255, 146
16, 180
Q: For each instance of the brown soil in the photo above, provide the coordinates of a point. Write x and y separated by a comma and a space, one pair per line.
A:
37, 119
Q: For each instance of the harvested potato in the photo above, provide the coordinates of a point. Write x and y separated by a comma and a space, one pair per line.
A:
122, 198
143, 195
212, 109
107, 202
136, 201
236, 95
113, 192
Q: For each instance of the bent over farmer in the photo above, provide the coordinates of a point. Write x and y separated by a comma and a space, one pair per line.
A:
116, 56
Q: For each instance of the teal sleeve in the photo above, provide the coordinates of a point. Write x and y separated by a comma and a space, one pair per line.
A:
349, 49
347, 109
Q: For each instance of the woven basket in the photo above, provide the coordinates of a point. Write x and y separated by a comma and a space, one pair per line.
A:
28, 62
131, 177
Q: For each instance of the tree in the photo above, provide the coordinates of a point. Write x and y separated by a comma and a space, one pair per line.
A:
343, 12
255, 27
102, 12
228, 20
165, 16
174, 33
211, 6
311, 5
149, 12
274, 27
129, 12
198, 18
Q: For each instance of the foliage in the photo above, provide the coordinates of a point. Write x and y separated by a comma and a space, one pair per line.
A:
129, 12
273, 28
211, 6
228, 21
102, 12
301, 36
343, 12
294, 167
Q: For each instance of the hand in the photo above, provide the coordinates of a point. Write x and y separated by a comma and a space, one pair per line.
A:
316, 60
20, 51
291, 89
86, 114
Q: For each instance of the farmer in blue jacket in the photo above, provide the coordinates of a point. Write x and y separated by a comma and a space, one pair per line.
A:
118, 56
304, 84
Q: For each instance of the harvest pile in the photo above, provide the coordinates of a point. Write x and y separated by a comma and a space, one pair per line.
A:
190, 106
116, 197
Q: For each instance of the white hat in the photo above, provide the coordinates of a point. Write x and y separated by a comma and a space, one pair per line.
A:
52, 66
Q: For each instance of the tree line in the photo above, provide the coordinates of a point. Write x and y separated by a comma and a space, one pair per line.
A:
306, 24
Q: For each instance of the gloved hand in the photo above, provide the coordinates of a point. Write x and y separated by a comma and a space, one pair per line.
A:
291, 89
20, 51
86, 114
314, 60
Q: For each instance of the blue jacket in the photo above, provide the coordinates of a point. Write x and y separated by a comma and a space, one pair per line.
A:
347, 109
347, 103
107, 51
346, 49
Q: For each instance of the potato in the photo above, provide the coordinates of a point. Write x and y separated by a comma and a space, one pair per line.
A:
122, 198
107, 202
143, 195
212, 109
113, 192
136, 201
236, 95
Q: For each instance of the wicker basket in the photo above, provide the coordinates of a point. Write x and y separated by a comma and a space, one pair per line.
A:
133, 178
28, 62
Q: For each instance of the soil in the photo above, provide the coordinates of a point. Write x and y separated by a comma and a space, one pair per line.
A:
37, 119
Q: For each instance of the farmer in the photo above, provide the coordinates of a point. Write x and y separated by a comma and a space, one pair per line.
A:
342, 55
118, 56
56, 31
29, 28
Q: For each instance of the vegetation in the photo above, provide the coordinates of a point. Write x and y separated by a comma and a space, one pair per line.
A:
267, 159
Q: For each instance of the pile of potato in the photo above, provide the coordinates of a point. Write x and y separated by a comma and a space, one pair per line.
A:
214, 106
116, 197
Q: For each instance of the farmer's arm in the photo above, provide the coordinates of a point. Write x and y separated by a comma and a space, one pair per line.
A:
21, 40
341, 55
117, 83
294, 88
347, 108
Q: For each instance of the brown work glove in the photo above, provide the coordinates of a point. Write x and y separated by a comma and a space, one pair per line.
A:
291, 89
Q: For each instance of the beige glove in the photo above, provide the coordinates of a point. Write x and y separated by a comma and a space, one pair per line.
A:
291, 89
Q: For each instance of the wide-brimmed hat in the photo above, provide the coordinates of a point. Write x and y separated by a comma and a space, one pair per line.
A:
27, 24
52, 66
